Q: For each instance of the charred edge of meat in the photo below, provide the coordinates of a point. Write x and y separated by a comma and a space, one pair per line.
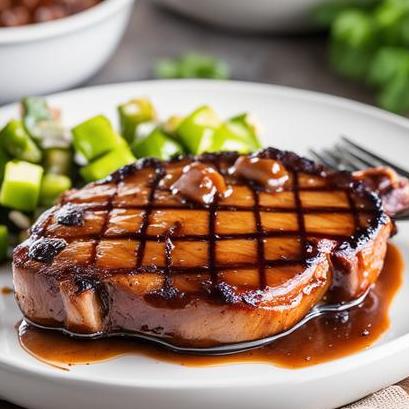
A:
70, 215
41, 223
85, 283
129, 170
91, 283
167, 297
312, 255
45, 249
224, 293
289, 159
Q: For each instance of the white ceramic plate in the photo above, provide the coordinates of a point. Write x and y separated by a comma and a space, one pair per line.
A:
291, 119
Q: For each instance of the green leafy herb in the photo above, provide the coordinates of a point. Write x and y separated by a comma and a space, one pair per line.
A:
192, 65
372, 46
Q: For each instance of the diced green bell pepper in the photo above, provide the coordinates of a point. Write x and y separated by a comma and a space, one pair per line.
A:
95, 137
52, 186
156, 145
243, 126
222, 143
17, 142
58, 161
21, 185
196, 131
133, 113
4, 242
171, 125
107, 164
237, 134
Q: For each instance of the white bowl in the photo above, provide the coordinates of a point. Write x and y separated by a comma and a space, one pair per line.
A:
254, 15
46, 57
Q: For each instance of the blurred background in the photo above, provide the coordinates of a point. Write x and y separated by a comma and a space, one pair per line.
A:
297, 60
351, 48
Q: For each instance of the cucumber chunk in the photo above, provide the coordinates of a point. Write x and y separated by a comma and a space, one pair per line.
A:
197, 130
21, 185
95, 137
156, 145
132, 114
244, 127
52, 186
107, 164
15, 141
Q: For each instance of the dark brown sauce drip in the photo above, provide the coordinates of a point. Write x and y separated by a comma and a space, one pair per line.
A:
269, 174
6, 291
199, 183
323, 339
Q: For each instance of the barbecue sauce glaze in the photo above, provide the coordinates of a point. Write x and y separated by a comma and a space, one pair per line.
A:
323, 339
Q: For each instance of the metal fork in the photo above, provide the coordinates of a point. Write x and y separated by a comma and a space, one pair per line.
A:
350, 156
224, 349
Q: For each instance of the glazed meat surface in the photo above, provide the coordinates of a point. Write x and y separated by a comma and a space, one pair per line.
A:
135, 252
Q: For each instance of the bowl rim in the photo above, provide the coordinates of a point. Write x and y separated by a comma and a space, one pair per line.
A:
39, 31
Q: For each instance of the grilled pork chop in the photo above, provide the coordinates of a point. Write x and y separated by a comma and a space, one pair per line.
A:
202, 251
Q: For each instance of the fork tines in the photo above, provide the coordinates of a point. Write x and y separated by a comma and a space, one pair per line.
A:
348, 155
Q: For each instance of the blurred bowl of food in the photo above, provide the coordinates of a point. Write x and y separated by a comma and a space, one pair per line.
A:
258, 15
53, 47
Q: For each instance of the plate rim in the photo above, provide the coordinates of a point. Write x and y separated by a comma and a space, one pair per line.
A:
331, 368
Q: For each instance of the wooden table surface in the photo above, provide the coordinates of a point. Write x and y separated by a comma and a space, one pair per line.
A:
153, 33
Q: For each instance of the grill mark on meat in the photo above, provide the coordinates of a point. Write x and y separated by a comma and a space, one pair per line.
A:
221, 206
214, 269
206, 237
109, 208
354, 210
169, 290
305, 248
259, 236
214, 273
159, 174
